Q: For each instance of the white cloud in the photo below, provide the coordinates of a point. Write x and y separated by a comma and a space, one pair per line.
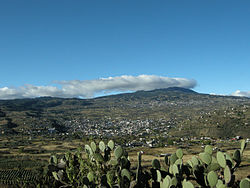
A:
29, 91
88, 88
241, 93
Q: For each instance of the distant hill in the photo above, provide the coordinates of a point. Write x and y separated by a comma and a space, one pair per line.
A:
185, 111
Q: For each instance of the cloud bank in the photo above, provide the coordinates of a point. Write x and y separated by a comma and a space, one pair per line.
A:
89, 88
239, 93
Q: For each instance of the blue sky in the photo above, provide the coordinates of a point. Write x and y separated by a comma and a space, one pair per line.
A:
46, 42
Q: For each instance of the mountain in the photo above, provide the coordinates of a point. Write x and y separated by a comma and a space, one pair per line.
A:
184, 111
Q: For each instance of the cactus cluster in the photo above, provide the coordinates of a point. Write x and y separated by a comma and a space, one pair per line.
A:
174, 174
207, 170
107, 165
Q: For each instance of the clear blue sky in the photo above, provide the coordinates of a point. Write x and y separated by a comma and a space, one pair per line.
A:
46, 40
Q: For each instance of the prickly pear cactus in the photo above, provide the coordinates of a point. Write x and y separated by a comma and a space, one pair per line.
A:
107, 165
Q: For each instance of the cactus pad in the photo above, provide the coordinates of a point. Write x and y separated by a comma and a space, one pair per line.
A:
93, 146
111, 144
213, 167
126, 173
110, 177
219, 182
195, 161
173, 158
170, 169
187, 184
236, 156
245, 183
209, 149
118, 152
189, 162
228, 157
178, 162
221, 159
113, 162
212, 178
205, 158
227, 174
166, 182
214, 160
88, 149
98, 157
174, 181
179, 153
158, 175
221, 186
102, 146
243, 146
175, 169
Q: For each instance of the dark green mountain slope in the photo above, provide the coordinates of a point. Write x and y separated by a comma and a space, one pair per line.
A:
184, 111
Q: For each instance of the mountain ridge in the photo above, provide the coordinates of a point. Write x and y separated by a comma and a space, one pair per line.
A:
155, 91
186, 110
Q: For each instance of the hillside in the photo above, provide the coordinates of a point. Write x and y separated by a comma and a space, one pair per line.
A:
176, 111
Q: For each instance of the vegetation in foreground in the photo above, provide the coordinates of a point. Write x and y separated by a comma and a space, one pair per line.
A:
31, 156
105, 165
